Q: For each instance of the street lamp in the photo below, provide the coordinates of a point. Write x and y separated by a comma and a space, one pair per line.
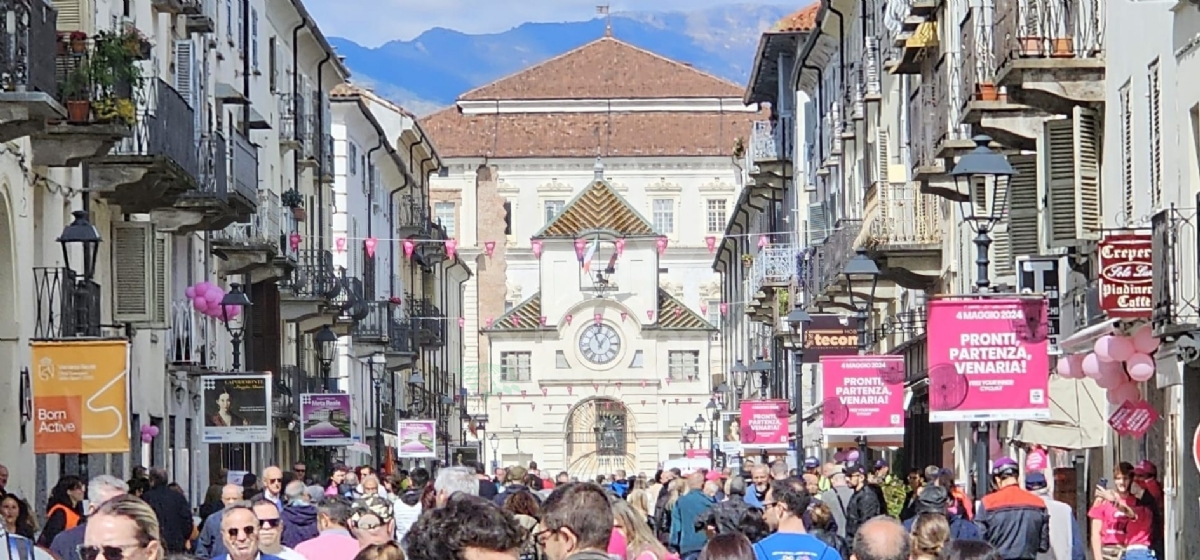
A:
236, 298
738, 373
797, 319
699, 424
416, 398
517, 437
326, 343
376, 388
714, 414
81, 232
862, 270
494, 440
982, 209
763, 369
982, 178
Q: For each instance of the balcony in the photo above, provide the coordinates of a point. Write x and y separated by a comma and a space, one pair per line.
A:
1049, 54
774, 266
293, 124
432, 251
902, 232
375, 326
27, 76
413, 217
306, 135
822, 280
308, 291
991, 108
258, 248
201, 15
1175, 292
188, 337
428, 323
770, 158
67, 306
157, 166
913, 33
350, 302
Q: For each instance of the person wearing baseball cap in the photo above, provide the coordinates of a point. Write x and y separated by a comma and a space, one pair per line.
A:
812, 464
864, 503
1066, 540
1145, 477
1012, 519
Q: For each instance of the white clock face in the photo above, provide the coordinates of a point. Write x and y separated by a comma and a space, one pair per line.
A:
599, 344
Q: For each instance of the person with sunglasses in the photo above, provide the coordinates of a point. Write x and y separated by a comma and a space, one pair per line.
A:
123, 528
101, 489
270, 532
239, 529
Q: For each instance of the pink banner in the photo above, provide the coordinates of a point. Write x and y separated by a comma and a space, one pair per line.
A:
988, 359
863, 395
764, 424
1133, 418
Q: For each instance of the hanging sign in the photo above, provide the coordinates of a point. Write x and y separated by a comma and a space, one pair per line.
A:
1126, 275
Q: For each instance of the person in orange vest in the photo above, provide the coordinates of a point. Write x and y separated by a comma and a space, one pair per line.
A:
64, 509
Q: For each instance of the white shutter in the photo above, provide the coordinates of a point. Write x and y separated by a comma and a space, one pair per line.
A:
186, 74
882, 154
229, 20
133, 272
74, 15
1024, 202
1072, 164
1127, 196
163, 243
254, 38
818, 223
241, 27
1154, 84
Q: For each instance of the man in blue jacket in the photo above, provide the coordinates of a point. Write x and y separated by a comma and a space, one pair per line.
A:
685, 538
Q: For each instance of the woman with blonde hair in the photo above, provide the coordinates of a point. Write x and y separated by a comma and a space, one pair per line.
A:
662, 519
930, 532
124, 527
641, 543
639, 500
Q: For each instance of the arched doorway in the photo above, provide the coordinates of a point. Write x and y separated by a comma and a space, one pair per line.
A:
10, 379
599, 438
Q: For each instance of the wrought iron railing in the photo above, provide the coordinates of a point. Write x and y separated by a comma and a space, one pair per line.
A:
1048, 28
774, 264
350, 299
214, 177
1175, 291
400, 335
979, 55
412, 214
609, 443
314, 275
763, 145
899, 214
165, 127
294, 121
266, 226
244, 167
375, 326
429, 323
433, 249
27, 46
67, 306
189, 335
837, 250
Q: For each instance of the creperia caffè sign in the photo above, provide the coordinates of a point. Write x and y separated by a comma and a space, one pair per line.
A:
1126, 275
829, 335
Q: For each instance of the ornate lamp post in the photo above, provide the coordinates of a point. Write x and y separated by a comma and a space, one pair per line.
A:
714, 415
862, 272
517, 437
763, 369
738, 374
326, 346
416, 397
797, 318
81, 232
236, 298
699, 424
494, 440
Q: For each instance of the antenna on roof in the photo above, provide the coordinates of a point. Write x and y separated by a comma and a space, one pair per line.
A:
604, 11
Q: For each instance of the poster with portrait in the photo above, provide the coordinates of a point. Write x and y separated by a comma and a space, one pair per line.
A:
729, 433
236, 408
464, 455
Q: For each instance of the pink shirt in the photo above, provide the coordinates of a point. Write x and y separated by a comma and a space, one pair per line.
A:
1117, 528
617, 544
332, 544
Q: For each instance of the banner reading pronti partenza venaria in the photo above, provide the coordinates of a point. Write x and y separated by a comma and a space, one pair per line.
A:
764, 424
863, 395
988, 359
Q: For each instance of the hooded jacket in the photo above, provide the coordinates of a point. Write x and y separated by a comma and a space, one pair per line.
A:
934, 499
405, 511
299, 523
1015, 522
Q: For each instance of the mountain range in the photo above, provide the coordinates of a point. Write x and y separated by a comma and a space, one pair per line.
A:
433, 69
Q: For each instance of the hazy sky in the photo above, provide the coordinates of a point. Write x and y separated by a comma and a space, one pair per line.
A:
374, 22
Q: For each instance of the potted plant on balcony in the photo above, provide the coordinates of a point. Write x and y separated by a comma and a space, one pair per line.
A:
739, 148
986, 91
136, 43
115, 75
78, 40
77, 92
292, 199
747, 260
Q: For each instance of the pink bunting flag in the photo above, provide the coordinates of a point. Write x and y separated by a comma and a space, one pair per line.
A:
370, 243
598, 318
763, 241
724, 308
650, 314
409, 245
570, 390
545, 391
596, 387
542, 320
462, 322
624, 316
678, 312
620, 243
489, 247
618, 384
580, 246
294, 240
643, 402
516, 320
340, 244
536, 246
488, 323
661, 243
568, 318
522, 392
704, 309
532, 406
643, 383
668, 381
711, 241
451, 247
508, 407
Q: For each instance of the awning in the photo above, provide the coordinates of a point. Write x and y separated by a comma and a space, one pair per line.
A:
1078, 417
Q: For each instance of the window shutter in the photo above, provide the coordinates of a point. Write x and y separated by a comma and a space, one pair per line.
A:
73, 15
229, 19
882, 152
1024, 200
185, 71
254, 38
240, 40
273, 62
162, 279
1072, 178
133, 272
1154, 84
1127, 195
818, 224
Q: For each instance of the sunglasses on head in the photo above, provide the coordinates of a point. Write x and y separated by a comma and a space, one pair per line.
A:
108, 552
248, 530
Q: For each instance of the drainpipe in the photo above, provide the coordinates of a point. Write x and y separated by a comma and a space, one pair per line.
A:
296, 103
820, 103
841, 44
392, 229
246, 55
319, 133
371, 211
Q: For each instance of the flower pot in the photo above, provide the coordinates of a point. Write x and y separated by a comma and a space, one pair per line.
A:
299, 213
78, 111
78, 46
1032, 47
987, 92
1063, 47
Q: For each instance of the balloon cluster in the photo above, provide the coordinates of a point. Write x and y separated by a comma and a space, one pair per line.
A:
206, 299
847, 456
149, 432
1117, 363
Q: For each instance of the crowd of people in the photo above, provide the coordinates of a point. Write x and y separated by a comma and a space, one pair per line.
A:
825, 512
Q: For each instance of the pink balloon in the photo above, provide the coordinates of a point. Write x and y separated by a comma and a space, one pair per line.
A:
214, 297
1124, 392
839, 457
1144, 341
153, 430
1091, 366
202, 287
1065, 368
190, 292
1103, 348
852, 455
1141, 367
234, 311
200, 304
1077, 365
1111, 378
1121, 348
147, 438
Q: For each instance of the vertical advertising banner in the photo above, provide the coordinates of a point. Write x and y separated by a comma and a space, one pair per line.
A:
325, 419
237, 408
764, 424
863, 395
418, 439
1126, 275
988, 359
81, 397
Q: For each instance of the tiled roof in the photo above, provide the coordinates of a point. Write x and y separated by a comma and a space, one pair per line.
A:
606, 68
674, 315
586, 134
598, 208
524, 316
804, 19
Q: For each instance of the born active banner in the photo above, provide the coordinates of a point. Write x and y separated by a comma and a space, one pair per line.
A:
988, 359
863, 395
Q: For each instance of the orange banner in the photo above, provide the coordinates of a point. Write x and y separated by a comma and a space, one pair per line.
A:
81, 396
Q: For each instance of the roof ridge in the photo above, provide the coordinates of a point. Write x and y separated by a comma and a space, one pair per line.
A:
677, 63
573, 203
528, 68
